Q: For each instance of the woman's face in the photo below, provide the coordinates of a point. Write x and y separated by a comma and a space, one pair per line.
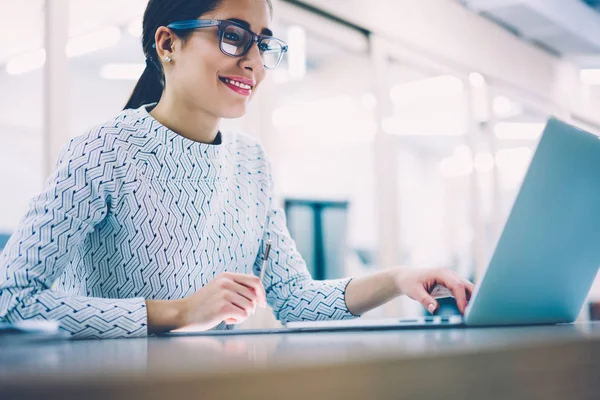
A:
199, 69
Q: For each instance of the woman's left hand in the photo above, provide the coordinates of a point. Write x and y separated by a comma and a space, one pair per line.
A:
418, 284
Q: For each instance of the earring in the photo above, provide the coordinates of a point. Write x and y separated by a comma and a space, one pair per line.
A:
168, 59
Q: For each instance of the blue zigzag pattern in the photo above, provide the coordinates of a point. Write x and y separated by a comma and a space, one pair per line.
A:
134, 211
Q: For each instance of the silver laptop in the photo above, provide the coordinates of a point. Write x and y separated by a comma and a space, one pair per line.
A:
548, 254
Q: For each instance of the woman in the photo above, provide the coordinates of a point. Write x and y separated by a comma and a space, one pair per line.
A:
156, 220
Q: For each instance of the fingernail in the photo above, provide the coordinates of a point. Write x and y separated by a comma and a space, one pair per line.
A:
431, 308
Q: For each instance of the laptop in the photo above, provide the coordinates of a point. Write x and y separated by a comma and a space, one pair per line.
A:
547, 256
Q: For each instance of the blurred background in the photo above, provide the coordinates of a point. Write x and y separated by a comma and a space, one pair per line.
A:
399, 130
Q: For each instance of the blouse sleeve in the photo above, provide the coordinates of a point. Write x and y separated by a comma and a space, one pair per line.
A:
73, 202
291, 291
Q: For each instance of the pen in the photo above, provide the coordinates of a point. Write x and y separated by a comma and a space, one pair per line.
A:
265, 259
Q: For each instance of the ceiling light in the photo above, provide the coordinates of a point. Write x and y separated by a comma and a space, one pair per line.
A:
26, 62
590, 76
445, 85
448, 126
477, 80
122, 71
518, 130
514, 160
96, 40
135, 28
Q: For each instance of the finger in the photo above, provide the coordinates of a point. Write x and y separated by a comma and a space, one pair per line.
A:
233, 314
248, 306
452, 282
254, 283
470, 288
258, 293
426, 300
243, 291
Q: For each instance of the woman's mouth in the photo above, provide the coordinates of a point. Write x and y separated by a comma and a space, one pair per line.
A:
241, 86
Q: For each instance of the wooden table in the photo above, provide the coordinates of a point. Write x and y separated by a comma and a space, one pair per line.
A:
550, 362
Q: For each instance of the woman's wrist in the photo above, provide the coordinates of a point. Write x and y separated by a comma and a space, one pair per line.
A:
165, 315
398, 275
371, 291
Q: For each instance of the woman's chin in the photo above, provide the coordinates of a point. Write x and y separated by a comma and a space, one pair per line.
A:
234, 112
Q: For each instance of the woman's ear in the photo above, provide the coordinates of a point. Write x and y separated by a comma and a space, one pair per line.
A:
164, 39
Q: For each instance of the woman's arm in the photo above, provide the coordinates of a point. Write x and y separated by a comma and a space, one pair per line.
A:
366, 293
165, 315
72, 204
291, 291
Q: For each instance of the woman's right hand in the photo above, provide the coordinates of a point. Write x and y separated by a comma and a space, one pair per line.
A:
230, 297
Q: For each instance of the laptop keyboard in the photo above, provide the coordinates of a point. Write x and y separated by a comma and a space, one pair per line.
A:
435, 319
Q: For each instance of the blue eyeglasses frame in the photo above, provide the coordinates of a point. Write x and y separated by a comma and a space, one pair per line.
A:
222, 25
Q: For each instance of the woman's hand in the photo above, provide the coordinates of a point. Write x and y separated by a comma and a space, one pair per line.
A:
230, 297
418, 284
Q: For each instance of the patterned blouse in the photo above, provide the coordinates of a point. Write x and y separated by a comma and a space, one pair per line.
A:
134, 211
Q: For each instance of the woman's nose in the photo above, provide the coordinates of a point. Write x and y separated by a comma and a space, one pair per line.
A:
252, 59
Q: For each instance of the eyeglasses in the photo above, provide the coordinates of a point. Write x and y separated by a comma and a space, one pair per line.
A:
235, 40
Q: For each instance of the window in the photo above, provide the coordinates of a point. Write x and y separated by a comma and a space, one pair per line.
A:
21, 105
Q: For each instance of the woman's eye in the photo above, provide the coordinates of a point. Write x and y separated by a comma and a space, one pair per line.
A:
266, 47
234, 37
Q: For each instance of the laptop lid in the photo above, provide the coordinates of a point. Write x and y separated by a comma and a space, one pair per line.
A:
549, 251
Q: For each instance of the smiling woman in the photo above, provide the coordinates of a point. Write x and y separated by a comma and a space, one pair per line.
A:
157, 219
201, 44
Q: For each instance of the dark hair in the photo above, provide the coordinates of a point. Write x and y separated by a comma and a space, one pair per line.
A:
161, 13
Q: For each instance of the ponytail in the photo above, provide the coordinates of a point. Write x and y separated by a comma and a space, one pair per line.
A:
149, 87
